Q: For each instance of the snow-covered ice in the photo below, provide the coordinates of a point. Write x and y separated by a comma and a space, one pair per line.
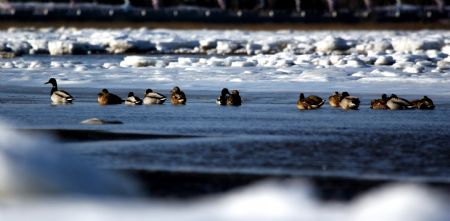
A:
211, 59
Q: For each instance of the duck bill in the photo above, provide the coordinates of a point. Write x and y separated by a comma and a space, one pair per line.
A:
48, 82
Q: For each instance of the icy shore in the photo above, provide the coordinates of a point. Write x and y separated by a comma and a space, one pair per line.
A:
206, 58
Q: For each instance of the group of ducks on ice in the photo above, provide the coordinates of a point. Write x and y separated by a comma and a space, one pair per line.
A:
343, 100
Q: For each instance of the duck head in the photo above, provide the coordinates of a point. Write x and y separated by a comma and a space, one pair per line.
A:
148, 91
394, 96
427, 103
345, 94
130, 94
51, 81
302, 96
103, 92
235, 92
336, 93
225, 92
176, 89
384, 97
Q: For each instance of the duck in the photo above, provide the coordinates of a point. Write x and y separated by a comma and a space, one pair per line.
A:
396, 103
106, 98
423, 104
223, 98
334, 99
133, 100
379, 104
349, 102
309, 103
153, 97
58, 96
234, 99
178, 96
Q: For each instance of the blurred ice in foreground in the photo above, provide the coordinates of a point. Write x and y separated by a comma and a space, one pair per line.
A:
38, 181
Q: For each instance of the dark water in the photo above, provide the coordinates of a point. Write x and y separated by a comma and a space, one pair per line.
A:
267, 135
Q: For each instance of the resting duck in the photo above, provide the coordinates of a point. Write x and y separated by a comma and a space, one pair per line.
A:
309, 103
58, 96
334, 99
133, 100
178, 96
234, 98
349, 102
379, 104
106, 98
424, 104
396, 103
224, 95
152, 97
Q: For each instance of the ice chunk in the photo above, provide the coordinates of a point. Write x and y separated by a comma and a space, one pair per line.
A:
330, 44
137, 61
412, 44
226, 47
384, 60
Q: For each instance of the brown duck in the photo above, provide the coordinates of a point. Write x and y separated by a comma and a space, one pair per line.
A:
234, 98
309, 103
334, 99
424, 104
379, 104
106, 98
178, 96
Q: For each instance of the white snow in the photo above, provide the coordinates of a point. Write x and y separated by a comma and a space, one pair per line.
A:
208, 58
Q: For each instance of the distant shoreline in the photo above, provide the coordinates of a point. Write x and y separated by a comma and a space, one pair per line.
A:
242, 26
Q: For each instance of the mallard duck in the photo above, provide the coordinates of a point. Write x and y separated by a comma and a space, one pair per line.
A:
334, 99
234, 98
309, 103
379, 104
133, 100
349, 102
105, 98
152, 97
58, 96
178, 96
224, 95
424, 104
396, 103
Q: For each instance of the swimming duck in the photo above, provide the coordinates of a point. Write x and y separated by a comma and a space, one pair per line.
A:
334, 99
152, 97
105, 98
58, 96
224, 95
178, 96
424, 104
349, 102
234, 98
379, 104
133, 100
309, 103
396, 103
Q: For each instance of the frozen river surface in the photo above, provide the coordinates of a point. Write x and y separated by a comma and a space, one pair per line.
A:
266, 135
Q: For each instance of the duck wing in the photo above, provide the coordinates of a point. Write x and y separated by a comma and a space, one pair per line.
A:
315, 100
112, 98
156, 95
401, 101
63, 94
354, 99
181, 97
134, 100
